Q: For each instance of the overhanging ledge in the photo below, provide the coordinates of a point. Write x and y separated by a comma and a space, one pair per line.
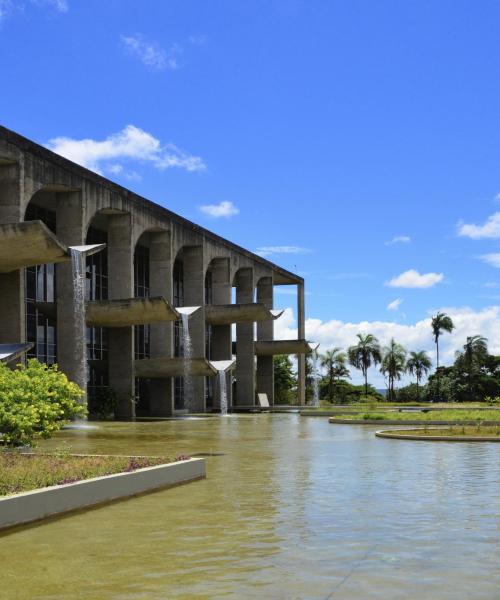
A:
131, 311
28, 244
274, 347
159, 368
225, 314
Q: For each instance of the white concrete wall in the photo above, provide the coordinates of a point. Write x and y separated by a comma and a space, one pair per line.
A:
45, 502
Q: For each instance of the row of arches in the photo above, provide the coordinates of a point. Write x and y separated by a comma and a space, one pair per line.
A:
139, 261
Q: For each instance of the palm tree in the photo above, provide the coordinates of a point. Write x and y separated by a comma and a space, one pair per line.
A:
393, 364
441, 322
418, 364
365, 353
334, 362
473, 356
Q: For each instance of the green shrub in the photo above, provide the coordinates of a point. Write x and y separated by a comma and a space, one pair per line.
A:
35, 401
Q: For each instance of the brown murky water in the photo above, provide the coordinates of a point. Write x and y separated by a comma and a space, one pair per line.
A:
294, 508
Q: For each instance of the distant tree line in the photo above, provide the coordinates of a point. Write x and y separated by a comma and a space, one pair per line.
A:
474, 375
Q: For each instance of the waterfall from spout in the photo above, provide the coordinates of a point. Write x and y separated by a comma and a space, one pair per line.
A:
187, 356
221, 375
80, 340
315, 379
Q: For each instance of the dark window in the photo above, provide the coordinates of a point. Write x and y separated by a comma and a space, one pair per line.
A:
40, 284
142, 333
97, 337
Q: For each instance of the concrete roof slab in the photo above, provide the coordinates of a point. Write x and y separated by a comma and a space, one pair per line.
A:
224, 314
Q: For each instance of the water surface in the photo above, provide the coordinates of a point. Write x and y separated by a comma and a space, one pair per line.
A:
293, 508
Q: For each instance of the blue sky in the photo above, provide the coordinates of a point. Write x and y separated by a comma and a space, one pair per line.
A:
364, 131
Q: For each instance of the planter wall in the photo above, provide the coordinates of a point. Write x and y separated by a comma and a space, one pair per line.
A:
57, 499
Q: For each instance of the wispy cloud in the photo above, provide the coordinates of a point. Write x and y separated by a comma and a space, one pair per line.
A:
129, 144
223, 209
489, 229
492, 259
399, 239
8, 7
413, 279
198, 40
271, 250
490, 284
395, 304
150, 53
58, 5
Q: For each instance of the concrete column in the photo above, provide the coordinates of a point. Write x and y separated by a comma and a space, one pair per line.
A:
265, 331
70, 231
160, 278
12, 316
245, 360
194, 295
301, 358
121, 339
221, 334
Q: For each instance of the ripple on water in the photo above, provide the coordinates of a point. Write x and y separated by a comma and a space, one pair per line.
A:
292, 508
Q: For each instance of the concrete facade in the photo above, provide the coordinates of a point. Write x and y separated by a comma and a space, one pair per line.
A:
83, 207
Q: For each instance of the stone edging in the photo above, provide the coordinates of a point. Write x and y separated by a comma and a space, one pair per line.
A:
405, 422
397, 435
57, 499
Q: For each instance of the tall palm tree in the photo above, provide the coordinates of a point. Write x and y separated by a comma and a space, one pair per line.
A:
334, 361
365, 353
440, 323
418, 364
393, 364
473, 356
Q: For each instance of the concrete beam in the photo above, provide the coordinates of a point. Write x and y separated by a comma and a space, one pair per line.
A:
10, 352
250, 312
132, 311
27, 244
274, 347
176, 367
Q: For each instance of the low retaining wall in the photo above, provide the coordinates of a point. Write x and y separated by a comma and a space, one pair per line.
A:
405, 422
398, 435
57, 499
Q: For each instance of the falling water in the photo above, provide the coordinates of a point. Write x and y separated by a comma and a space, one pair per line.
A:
315, 380
80, 342
187, 356
221, 375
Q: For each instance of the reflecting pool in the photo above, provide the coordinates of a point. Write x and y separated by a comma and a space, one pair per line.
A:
292, 507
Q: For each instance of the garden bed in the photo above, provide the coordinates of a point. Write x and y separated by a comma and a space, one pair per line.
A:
435, 417
446, 434
36, 504
21, 472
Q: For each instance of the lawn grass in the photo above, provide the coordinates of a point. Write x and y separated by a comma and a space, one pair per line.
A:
25, 472
435, 415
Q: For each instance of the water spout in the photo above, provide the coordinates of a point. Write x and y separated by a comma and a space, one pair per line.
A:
79, 342
187, 356
221, 376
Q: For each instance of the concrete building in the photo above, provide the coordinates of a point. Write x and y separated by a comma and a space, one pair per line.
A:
154, 261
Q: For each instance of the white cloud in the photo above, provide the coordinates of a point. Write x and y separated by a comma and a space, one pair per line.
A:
489, 229
130, 144
7, 7
223, 209
417, 336
198, 40
490, 284
413, 279
395, 304
399, 239
151, 53
497, 197
270, 250
491, 259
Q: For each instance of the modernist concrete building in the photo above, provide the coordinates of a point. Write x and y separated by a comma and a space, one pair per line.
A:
153, 262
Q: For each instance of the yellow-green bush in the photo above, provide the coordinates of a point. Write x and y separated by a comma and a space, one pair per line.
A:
35, 401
